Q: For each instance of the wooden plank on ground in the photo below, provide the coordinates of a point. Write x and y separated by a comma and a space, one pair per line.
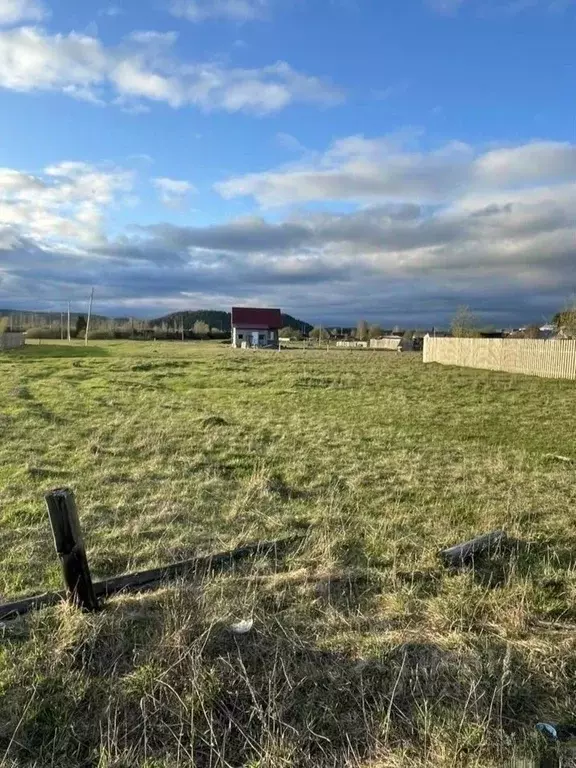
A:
149, 579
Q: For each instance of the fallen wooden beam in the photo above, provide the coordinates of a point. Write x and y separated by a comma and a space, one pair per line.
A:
18, 607
461, 554
143, 580
199, 565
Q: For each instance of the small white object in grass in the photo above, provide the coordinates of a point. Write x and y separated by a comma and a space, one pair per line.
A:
547, 730
242, 627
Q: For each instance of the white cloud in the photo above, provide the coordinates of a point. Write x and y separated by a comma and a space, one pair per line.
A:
30, 60
17, 11
290, 143
142, 68
538, 160
66, 201
110, 10
173, 192
360, 169
234, 10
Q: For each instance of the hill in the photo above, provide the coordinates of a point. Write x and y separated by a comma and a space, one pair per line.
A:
218, 319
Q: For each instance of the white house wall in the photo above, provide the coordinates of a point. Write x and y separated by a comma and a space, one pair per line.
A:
247, 334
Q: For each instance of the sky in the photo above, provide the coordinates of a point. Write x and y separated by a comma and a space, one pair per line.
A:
339, 159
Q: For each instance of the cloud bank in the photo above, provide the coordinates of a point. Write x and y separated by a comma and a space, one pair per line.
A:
421, 232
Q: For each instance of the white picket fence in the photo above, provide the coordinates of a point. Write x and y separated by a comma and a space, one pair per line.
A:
551, 358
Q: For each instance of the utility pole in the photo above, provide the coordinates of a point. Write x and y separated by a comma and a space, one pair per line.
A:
61, 326
69, 336
89, 316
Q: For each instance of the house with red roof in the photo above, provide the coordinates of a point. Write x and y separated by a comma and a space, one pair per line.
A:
255, 326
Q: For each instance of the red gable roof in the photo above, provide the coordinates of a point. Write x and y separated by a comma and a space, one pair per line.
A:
255, 317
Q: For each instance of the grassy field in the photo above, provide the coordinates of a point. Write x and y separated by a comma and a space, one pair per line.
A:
365, 651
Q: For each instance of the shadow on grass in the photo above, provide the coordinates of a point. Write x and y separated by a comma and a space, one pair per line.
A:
42, 351
185, 689
543, 562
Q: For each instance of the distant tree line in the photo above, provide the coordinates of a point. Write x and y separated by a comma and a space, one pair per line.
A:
466, 325
187, 324
363, 331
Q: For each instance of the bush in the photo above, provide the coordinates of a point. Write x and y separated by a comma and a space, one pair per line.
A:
43, 333
319, 334
101, 334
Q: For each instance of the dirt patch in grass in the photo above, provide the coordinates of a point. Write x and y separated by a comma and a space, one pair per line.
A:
214, 421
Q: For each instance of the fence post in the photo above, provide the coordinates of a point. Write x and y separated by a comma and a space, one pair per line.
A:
70, 548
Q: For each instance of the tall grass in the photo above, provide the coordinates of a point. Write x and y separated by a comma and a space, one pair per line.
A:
364, 650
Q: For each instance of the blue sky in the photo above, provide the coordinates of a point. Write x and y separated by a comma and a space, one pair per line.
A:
337, 158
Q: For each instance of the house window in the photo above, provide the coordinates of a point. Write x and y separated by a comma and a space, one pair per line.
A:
240, 335
262, 337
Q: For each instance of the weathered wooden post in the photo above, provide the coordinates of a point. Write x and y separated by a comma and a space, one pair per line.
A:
70, 548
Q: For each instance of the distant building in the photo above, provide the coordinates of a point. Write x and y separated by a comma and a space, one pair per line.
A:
392, 343
255, 326
548, 331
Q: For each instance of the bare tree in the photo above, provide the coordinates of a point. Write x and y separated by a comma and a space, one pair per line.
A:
319, 334
566, 320
374, 332
362, 330
464, 323
532, 332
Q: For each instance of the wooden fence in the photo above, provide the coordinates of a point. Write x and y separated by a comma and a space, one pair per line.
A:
551, 358
10, 340
392, 343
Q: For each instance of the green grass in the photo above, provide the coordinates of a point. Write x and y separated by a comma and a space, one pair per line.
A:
364, 651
